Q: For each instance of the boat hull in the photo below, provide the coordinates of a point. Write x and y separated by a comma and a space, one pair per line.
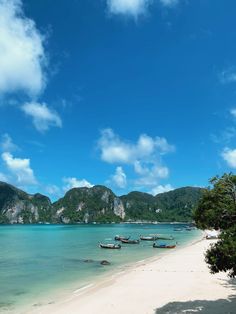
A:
130, 241
119, 238
110, 247
148, 238
164, 246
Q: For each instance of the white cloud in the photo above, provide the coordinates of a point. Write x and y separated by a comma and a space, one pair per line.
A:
128, 7
161, 189
169, 3
119, 178
233, 112
155, 171
150, 173
228, 76
7, 144
43, 117
75, 183
19, 168
229, 155
135, 8
145, 155
22, 57
115, 150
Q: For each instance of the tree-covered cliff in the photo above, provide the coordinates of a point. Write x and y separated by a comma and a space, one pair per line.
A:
96, 204
16, 206
176, 205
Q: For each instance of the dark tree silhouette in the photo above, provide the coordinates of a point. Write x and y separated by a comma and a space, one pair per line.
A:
217, 210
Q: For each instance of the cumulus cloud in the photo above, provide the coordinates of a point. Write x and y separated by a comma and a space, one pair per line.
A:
135, 8
128, 7
43, 117
161, 189
229, 155
119, 178
115, 150
169, 3
155, 171
22, 57
73, 182
7, 144
150, 174
20, 169
228, 76
145, 155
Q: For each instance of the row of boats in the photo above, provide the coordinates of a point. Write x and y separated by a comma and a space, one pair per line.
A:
188, 228
127, 240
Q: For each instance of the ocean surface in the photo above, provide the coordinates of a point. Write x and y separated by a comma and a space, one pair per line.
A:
40, 262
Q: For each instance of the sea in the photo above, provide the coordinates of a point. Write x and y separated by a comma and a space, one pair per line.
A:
38, 263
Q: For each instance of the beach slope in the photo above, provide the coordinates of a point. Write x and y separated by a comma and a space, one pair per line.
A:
178, 282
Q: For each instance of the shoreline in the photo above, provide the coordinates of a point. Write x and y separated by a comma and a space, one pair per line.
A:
100, 280
69, 291
99, 223
48, 294
111, 294
106, 279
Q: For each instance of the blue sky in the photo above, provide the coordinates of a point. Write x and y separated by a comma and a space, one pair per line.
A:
132, 94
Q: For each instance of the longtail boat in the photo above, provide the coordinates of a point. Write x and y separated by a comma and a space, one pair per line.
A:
130, 241
165, 238
148, 238
110, 246
164, 246
178, 229
188, 229
119, 238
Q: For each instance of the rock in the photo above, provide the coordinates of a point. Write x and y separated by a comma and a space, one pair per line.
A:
104, 262
88, 261
118, 208
65, 220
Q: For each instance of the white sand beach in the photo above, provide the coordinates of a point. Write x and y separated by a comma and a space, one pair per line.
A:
178, 282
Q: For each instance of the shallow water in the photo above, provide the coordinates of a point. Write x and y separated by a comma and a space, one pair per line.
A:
37, 260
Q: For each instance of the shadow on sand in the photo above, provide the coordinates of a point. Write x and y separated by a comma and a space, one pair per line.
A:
221, 306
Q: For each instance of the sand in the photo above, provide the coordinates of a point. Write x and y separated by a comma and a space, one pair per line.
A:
177, 282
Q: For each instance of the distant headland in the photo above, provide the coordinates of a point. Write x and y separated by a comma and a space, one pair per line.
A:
97, 204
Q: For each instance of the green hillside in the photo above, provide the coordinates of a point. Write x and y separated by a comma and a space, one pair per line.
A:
96, 204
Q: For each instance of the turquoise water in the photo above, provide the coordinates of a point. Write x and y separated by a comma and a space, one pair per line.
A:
37, 262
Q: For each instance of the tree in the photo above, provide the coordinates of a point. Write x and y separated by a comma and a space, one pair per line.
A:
217, 210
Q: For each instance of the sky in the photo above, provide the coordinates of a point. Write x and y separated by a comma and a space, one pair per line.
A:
131, 94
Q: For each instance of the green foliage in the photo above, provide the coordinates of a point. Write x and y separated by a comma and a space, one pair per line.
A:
3, 219
96, 204
28, 216
26, 205
44, 206
140, 206
8, 193
222, 255
176, 205
107, 218
71, 216
217, 210
84, 204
